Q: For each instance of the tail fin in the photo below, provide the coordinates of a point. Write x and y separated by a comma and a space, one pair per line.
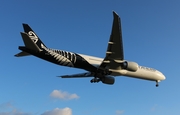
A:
33, 35
31, 41
29, 44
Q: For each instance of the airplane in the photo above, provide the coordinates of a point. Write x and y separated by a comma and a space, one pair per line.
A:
101, 69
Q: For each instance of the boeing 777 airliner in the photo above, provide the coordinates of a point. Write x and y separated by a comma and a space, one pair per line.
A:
103, 70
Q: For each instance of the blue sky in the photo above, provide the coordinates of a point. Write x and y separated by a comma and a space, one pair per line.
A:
151, 36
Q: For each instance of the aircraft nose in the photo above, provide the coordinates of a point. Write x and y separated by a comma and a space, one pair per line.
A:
161, 76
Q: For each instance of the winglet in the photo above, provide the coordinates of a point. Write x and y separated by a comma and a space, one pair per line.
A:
115, 14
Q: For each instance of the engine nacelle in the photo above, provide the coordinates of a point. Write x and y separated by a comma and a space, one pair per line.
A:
108, 80
131, 66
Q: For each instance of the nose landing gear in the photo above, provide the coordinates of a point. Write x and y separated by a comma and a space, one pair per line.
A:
157, 83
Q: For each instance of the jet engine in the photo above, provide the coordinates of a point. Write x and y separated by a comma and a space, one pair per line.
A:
131, 66
108, 80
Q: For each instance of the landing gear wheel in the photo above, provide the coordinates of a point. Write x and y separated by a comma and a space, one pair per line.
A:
91, 81
157, 83
95, 80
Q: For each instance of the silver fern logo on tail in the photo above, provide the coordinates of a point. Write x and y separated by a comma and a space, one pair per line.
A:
33, 36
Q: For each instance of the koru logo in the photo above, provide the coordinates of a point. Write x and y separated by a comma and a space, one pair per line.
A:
33, 36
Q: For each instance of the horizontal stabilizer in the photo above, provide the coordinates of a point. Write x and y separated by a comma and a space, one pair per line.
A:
22, 54
81, 75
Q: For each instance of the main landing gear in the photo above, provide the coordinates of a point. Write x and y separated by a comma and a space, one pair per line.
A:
95, 80
157, 83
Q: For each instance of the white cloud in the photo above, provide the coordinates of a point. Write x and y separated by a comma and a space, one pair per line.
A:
58, 111
119, 112
14, 112
6, 105
9, 109
58, 94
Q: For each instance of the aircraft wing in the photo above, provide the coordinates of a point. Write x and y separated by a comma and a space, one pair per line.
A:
81, 75
114, 54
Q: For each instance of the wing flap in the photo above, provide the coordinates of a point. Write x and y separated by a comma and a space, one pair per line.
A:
81, 75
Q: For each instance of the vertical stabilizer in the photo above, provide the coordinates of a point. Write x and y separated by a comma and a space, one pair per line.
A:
33, 36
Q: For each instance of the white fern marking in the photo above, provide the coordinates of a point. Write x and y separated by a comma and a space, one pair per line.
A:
62, 60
